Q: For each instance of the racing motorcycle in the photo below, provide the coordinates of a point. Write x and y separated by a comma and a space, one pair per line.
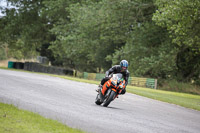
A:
115, 85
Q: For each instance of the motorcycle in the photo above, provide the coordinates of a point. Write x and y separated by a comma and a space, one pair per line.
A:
114, 87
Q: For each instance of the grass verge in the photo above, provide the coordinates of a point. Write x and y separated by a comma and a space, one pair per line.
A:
182, 99
14, 120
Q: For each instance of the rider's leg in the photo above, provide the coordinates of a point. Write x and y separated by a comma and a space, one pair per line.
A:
102, 83
123, 91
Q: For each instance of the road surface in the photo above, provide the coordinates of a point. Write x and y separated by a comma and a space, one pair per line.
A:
72, 103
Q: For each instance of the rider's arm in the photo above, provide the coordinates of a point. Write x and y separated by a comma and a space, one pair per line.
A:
126, 78
111, 70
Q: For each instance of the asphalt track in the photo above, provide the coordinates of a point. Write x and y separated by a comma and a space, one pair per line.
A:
72, 103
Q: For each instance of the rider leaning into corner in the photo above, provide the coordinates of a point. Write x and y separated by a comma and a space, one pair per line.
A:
123, 69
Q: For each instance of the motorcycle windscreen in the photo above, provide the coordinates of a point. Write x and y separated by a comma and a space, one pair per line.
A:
117, 76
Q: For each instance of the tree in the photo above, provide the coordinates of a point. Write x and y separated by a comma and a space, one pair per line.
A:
24, 29
96, 30
181, 18
149, 52
57, 14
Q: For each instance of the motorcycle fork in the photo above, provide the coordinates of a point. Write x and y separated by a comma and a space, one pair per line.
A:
107, 93
116, 92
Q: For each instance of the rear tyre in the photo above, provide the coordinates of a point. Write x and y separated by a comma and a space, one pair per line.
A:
109, 99
97, 100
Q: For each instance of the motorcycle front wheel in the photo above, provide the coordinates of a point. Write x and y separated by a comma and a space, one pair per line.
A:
109, 98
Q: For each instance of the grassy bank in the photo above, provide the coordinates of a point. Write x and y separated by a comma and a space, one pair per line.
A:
13, 120
182, 99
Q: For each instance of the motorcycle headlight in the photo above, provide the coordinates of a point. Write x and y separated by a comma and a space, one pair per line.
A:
121, 87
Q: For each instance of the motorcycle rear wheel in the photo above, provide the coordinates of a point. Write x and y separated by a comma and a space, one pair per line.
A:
109, 99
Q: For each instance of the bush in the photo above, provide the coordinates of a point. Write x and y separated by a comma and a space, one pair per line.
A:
79, 74
173, 85
2, 54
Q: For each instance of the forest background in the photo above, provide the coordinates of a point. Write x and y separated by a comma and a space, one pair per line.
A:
159, 38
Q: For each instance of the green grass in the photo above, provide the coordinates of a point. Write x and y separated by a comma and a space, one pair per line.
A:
14, 120
182, 99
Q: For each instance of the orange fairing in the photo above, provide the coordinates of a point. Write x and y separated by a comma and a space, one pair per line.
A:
106, 86
109, 83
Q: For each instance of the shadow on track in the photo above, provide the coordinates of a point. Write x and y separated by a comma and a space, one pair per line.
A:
109, 107
113, 108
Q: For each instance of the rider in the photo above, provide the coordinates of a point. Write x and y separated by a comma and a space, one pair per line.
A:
122, 68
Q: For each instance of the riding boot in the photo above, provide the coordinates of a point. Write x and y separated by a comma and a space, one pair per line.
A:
100, 92
99, 88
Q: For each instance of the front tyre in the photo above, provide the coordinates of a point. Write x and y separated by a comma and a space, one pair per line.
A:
109, 99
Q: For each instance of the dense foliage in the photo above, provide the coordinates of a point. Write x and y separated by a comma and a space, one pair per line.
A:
159, 38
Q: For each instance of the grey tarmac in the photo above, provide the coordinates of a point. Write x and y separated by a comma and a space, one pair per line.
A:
73, 103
